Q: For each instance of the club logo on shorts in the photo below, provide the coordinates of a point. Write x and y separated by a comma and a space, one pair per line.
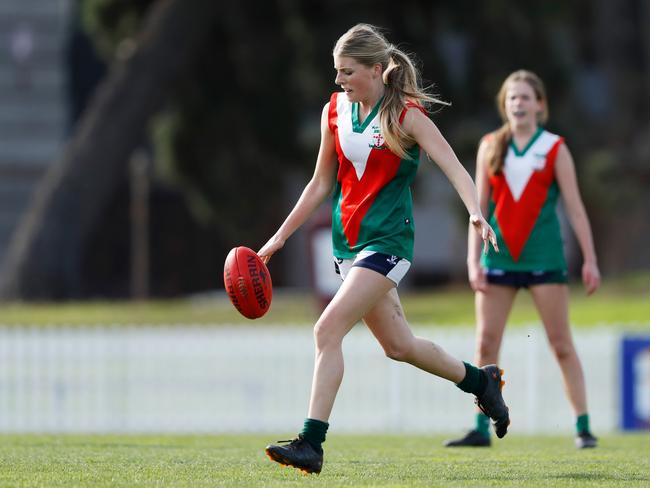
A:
392, 260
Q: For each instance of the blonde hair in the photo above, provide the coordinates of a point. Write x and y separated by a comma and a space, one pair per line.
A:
500, 138
366, 45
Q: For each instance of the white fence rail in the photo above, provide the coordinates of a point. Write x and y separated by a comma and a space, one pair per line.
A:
235, 379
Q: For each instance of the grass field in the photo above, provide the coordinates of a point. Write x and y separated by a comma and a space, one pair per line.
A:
198, 461
622, 302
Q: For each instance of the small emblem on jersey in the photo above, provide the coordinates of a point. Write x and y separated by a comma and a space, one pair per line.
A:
407, 221
539, 161
392, 260
377, 138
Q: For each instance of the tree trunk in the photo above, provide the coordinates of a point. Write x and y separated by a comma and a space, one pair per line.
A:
45, 249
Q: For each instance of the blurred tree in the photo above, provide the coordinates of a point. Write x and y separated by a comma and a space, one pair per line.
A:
618, 173
48, 243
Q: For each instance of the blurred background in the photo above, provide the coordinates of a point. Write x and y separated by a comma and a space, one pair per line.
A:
140, 140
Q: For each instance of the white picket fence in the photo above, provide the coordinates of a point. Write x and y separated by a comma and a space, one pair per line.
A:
190, 378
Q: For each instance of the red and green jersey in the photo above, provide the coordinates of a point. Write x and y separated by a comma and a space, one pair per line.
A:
522, 208
372, 205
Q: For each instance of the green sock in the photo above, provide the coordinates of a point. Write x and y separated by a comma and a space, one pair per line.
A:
474, 380
483, 424
314, 432
582, 423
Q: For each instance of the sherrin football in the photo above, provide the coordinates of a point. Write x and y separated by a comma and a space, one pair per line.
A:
248, 282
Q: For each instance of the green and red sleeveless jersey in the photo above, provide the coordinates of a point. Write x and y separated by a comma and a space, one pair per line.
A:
372, 205
522, 208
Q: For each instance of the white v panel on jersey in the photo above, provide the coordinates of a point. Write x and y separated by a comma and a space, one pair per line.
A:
518, 168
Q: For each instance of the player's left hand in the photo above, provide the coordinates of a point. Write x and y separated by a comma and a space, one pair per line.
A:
485, 231
590, 276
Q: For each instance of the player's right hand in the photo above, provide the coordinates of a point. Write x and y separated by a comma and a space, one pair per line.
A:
476, 275
274, 244
590, 277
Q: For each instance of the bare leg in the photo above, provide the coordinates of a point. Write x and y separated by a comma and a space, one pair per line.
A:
387, 322
358, 293
552, 302
492, 311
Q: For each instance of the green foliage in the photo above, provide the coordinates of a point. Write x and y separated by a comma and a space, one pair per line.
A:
110, 22
228, 460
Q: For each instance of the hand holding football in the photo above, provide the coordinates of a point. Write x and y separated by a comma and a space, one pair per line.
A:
248, 282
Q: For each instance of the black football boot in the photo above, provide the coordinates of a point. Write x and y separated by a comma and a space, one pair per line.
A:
472, 439
491, 401
298, 453
586, 440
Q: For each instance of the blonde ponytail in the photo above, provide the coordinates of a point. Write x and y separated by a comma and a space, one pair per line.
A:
368, 46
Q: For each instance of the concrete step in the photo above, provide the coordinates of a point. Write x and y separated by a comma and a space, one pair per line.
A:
17, 172
47, 36
33, 114
28, 130
43, 77
32, 34
31, 109
37, 151
23, 121
34, 8
17, 98
16, 89
15, 192
6, 233
9, 218
46, 53
17, 186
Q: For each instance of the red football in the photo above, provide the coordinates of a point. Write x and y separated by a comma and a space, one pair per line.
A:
248, 282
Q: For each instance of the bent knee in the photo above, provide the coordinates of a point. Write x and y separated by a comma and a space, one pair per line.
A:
562, 349
399, 351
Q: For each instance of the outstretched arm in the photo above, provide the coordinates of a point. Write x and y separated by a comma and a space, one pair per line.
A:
429, 138
566, 178
318, 188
